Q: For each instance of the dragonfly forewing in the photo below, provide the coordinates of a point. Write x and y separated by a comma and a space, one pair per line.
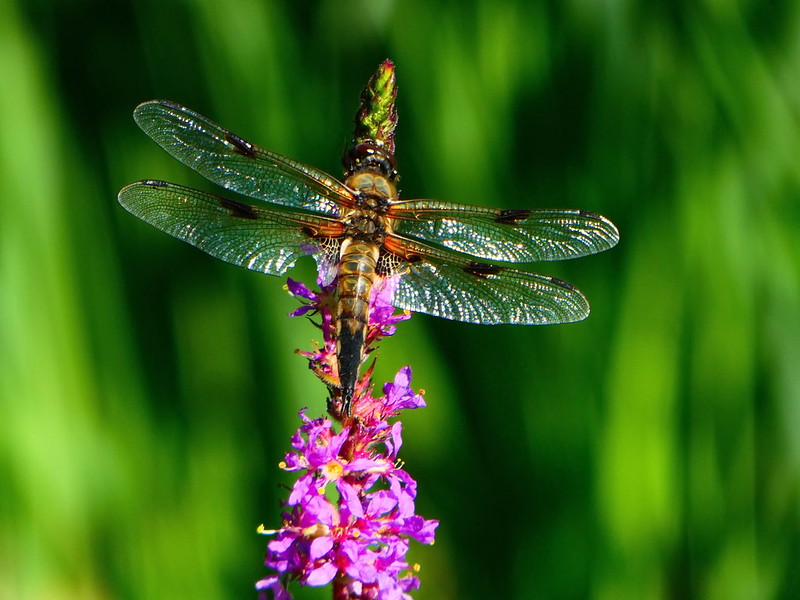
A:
516, 236
228, 160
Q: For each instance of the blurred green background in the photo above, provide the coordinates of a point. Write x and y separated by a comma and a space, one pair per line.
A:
148, 391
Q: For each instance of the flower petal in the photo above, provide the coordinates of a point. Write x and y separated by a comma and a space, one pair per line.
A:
322, 575
380, 503
350, 499
297, 288
274, 585
320, 547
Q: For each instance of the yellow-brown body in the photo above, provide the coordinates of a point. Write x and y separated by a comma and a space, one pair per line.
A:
367, 225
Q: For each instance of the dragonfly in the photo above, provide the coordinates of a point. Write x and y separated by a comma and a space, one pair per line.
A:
442, 255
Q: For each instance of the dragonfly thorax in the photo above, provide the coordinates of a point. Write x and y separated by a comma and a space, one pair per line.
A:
373, 191
368, 218
366, 225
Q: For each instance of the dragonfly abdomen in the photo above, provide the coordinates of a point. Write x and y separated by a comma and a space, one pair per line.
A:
357, 273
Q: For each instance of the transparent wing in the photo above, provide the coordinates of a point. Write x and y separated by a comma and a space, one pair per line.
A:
515, 236
235, 164
257, 238
439, 284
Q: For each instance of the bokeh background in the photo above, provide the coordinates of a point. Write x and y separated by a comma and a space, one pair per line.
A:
148, 391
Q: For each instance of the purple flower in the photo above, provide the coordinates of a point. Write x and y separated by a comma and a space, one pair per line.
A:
300, 290
354, 533
273, 584
381, 311
322, 360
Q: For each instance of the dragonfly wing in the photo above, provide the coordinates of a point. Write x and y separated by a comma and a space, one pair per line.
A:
257, 238
235, 164
516, 236
433, 282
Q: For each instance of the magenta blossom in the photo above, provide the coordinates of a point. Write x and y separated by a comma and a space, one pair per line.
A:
351, 512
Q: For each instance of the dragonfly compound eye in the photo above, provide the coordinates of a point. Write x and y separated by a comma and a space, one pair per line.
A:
367, 156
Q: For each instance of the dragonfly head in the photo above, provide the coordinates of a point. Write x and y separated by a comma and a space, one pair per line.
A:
369, 157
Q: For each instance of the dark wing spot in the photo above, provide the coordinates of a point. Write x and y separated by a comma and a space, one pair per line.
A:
241, 146
512, 215
155, 183
238, 209
482, 270
589, 214
562, 283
